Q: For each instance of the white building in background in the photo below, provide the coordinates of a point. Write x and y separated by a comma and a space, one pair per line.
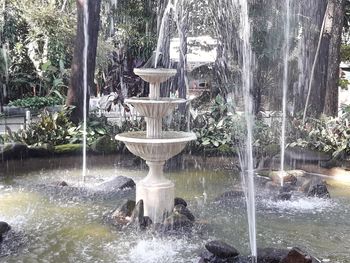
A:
344, 95
201, 51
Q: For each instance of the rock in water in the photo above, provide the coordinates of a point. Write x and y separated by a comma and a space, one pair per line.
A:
62, 183
296, 255
318, 188
146, 222
179, 201
117, 183
4, 228
137, 214
284, 196
271, 255
221, 249
181, 209
123, 213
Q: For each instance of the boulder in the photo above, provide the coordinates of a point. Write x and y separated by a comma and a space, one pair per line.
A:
62, 183
296, 255
116, 184
183, 210
271, 255
284, 196
318, 188
221, 249
138, 213
145, 223
4, 228
122, 215
180, 201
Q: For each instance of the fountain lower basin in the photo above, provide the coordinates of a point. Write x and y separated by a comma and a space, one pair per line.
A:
169, 144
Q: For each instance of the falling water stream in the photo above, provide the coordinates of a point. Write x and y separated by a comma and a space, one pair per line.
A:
85, 86
247, 157
285, 88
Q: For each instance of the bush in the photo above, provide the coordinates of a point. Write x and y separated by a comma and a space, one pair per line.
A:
327, 134
37, 102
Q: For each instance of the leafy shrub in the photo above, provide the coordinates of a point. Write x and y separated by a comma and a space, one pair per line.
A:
52, 128
327, 134
37, 102
221, 131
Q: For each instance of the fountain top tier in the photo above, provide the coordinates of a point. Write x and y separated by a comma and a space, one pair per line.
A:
155, 75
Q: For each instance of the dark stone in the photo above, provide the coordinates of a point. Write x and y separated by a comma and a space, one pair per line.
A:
62, 183
221, 249
117, 183
284, 196
296, 255
146, 222
138, 213
290, 178
318, 188
271, 255
4, 228
121, 216
177, 222
180, 201
181, 209
287, 188
207, 257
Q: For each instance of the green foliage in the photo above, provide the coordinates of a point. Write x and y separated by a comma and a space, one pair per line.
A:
56, 129
52, 128
327, 134
345, 53
37, 102
37, 34
221, 131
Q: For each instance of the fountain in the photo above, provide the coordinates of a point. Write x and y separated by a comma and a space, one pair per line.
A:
155, 146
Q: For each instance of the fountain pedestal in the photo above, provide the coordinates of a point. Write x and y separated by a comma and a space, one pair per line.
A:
155, 146
156, 191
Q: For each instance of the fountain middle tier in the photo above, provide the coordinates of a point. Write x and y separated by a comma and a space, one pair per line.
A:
156, 109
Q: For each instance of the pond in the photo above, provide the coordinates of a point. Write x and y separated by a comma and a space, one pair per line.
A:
50, 224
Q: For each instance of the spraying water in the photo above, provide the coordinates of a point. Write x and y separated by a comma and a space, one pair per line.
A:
161, 36
247, 160
285, 88
85, 55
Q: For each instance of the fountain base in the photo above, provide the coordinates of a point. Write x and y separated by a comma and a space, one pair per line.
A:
158, 200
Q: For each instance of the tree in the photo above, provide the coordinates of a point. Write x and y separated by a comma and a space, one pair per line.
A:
334, 26
75, 96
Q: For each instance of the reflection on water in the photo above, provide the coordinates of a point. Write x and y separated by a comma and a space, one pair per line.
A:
58, 226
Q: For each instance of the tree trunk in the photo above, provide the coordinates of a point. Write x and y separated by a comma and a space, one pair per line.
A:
75, 95
335, 18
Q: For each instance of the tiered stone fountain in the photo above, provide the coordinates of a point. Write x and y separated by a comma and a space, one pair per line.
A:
155, 145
